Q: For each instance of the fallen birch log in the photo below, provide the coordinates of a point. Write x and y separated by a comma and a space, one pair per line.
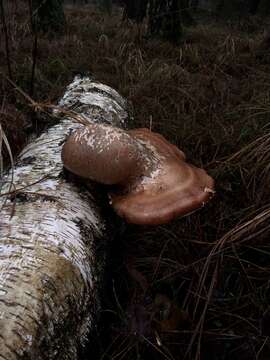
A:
50, 230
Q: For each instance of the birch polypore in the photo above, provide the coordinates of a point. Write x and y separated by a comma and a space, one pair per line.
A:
153, 182
50, 233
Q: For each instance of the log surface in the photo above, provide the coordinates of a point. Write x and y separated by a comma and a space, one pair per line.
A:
50, 232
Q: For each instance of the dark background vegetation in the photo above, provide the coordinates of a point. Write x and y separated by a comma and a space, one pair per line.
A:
199, 73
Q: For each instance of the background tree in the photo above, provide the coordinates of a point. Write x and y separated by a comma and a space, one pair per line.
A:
165, 19
194, 4
106, 5
253, 6
185, 12
240, 8
49, 15
135, 10
264, 8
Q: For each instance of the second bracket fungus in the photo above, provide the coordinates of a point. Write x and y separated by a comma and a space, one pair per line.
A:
153, 182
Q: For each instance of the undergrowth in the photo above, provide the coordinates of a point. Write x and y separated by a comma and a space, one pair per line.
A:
197, 288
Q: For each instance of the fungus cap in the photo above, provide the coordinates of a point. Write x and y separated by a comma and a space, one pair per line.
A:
172, 187
165, 148
101, 153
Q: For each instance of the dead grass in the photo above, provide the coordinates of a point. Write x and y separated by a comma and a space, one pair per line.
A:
210, 96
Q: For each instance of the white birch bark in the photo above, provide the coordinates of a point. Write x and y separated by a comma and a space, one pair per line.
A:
50, 233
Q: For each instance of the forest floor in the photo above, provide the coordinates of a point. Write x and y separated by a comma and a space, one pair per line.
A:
197, 288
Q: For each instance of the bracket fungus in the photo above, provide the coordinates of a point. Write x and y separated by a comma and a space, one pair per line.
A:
153, 183
101, 153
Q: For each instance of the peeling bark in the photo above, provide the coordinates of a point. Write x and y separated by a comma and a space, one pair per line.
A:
50, 274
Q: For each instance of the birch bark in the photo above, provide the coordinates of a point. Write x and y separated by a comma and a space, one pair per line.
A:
52, 235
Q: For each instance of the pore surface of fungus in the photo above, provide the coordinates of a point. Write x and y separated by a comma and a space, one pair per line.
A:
153, 182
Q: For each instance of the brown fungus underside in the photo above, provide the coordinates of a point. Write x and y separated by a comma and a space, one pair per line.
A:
154, 183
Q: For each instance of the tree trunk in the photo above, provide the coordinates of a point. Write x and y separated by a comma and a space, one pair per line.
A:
53, 239
264, 8
106, 6
219, 6
233, 9
165, 19
135, 10
194, 4
49, 15
156, 9
253, 6
185, 13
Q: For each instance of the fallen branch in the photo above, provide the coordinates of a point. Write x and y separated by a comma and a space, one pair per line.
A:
52, 246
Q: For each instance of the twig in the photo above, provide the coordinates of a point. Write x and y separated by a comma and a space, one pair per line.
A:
45, 107
34, 49
19, 90
14, 192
